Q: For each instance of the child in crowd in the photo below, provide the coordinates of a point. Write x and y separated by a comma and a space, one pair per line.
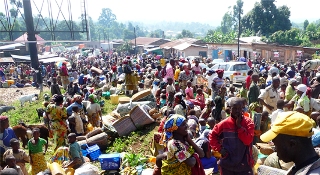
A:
141, 87
54, 88
21, 157
203, 125
282, 91
189, 91
192, 116
243, 91
231, 92
35, 147
163, 100
75, 154
86, 94
211, 123
11, 163
78, 121
170, 90
200, 99
274, 115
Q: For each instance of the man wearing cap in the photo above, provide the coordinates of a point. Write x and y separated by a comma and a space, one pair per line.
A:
270, 96
291, 134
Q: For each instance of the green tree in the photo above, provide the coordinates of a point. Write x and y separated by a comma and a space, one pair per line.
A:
237, 9
265, 18
185, 34
305, 24
156, 34
105, 19
216, 36
128, 34
226, 23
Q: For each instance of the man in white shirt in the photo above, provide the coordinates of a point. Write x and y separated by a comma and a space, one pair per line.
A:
270, 96
210, 77
274, 115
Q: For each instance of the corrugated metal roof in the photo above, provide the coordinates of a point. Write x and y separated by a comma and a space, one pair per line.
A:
177, 42
11, 46
6, 60
182, 46
145, 40
24, 38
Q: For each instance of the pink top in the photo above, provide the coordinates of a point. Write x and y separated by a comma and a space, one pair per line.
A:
200, 98
169, 72
189, 93
196, 69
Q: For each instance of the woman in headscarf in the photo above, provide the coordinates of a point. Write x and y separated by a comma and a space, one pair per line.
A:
130, 77
185, 76
57, 115
94, 111
180, 156
179, 104
208, 160
300, 100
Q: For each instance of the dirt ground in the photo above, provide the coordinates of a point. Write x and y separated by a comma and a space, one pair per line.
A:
9, 95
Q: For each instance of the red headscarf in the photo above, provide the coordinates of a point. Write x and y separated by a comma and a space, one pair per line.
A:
219, 71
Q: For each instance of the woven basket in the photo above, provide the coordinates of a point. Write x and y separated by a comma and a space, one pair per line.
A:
153, 111
156, 115
123, 100
140, 117
140, 95
124, 126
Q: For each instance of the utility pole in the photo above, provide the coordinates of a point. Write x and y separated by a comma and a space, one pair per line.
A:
32, 40
239, 33
135, 41
31, 34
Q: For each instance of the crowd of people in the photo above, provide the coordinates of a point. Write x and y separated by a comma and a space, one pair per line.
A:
204, 125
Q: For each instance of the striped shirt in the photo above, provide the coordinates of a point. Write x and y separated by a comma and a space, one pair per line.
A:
218, 82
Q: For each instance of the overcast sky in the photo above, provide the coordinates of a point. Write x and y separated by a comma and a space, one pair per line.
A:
204, 11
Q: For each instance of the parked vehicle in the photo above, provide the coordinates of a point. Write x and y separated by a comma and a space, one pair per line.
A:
237, 69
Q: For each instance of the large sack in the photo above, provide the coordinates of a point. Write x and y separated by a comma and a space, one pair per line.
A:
96, 70
140, 117
142, 94
124, 126
124, 109
123, 100
94, 132
87, 169
311, 65
108, 119
100, 139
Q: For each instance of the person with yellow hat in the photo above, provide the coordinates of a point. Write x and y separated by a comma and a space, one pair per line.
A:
291, 134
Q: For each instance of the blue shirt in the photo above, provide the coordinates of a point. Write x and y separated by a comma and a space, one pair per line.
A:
120, 70
80, 80
8, 134
69, 108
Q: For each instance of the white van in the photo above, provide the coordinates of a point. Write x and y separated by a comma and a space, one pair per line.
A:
239, 70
